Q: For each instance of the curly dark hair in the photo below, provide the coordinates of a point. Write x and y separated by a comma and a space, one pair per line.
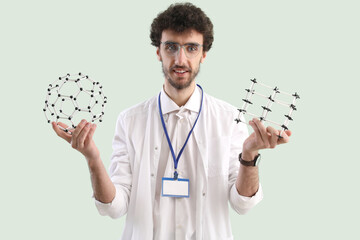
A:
180, 17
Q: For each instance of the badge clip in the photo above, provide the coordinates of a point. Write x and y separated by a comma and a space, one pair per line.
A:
176, 175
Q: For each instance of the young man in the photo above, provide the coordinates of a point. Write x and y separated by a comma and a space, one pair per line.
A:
182, 133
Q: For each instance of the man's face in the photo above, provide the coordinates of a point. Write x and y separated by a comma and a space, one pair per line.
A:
180, 70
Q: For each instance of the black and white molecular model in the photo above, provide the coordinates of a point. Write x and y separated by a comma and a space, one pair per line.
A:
71, 98
272, 96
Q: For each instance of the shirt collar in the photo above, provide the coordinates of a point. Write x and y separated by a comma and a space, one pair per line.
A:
168, 105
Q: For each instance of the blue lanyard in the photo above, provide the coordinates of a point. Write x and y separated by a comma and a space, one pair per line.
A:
176, 159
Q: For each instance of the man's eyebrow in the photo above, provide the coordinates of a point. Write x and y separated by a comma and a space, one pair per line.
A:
188, 43
171, 42
192, 43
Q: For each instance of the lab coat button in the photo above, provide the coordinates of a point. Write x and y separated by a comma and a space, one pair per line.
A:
204, 194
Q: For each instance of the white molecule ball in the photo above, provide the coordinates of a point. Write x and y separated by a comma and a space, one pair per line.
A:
71, 98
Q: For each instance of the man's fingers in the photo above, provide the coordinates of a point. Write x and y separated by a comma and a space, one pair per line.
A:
79, 127
75, 134
82, 136
262, 131
61, 133
273, 136
90, 134
285, 137
255, 128
63, 125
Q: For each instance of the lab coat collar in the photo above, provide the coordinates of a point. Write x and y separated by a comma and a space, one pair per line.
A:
168, 105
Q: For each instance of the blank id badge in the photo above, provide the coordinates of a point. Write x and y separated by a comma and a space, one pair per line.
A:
178, 188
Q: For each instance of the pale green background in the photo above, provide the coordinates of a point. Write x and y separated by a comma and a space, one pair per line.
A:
310, 185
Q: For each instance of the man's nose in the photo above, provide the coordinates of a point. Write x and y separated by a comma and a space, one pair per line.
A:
180, 57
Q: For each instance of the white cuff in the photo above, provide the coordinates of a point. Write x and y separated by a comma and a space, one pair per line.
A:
242, 204
114, 209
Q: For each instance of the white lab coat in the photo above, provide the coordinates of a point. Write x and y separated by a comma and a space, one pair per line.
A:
136, 150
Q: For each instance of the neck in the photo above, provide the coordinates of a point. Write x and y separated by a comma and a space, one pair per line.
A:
179, 96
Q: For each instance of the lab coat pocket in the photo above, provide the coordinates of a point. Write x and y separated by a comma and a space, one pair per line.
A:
218, 156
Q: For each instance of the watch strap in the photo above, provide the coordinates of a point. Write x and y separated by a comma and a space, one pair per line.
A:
251, 163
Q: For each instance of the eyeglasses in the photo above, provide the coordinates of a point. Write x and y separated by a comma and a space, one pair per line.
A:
191, 49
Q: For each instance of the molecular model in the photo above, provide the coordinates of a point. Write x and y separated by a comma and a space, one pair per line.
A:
272, 97
71, 98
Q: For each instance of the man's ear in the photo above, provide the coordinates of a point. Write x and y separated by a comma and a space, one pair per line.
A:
203, 57
158, 54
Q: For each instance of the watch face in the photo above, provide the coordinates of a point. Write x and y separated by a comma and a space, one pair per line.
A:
257, 160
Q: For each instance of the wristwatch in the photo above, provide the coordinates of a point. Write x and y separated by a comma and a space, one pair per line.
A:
251, 163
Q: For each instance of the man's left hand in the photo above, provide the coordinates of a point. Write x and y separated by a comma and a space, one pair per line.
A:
262, 138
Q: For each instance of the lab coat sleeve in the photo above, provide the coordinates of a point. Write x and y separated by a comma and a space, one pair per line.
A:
120, 174
241, 204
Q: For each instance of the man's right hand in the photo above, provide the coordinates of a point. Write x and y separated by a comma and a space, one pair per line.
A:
80, 139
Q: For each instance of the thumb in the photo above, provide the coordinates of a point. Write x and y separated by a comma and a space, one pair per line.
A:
61, 133
288, 132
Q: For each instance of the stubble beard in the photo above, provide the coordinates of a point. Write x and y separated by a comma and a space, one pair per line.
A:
176, 85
